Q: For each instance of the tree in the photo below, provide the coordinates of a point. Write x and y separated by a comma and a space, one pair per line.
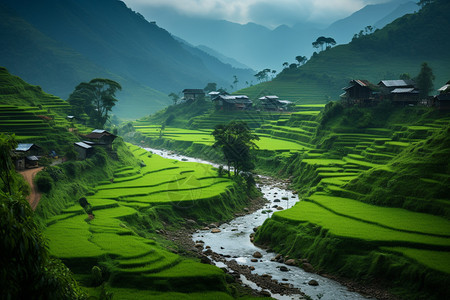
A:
96, 98
329, 41
235, 81
301, 60
423, 3
425, 80
7, 144
210, 87
285, 65
236, 141
174, 97
321, 41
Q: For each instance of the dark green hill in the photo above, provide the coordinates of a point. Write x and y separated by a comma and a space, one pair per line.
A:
115, 40
398, 48
40, 60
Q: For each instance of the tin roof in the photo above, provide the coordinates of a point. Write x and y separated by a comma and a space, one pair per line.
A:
396, 83
272, 97
83, 145
23, 147
98, 131
32, 158
194, 91
444, 88
404, 91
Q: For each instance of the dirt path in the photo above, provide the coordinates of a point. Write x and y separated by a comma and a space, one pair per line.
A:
34, 196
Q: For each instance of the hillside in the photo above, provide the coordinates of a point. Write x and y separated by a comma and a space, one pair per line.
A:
116, 243
103, 39
412, 39
374, 184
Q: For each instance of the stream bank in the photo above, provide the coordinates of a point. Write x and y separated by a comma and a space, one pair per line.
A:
229, 246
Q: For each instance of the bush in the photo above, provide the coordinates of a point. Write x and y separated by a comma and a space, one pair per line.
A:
97, 277
44, 182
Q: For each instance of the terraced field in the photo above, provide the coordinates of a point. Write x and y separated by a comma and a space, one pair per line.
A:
421, 237
139, 263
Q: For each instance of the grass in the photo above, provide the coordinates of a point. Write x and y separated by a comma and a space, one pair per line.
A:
350, 228
137, 262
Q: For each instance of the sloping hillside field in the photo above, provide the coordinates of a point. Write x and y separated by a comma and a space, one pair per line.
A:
375, 194
137, 264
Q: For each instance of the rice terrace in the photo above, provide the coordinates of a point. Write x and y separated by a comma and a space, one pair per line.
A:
150, 152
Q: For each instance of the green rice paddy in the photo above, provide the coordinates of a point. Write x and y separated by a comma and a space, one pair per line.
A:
139, 263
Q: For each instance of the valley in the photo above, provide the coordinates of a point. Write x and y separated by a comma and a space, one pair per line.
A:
121, 177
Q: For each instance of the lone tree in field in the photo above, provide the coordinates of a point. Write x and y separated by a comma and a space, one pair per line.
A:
236, 141
96, 98
425, 80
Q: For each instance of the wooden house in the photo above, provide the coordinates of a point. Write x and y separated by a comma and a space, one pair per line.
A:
400, 92
26, 156
232, 102
274, 103
442, 100
193, 94
101, 137
360, 92
84, 150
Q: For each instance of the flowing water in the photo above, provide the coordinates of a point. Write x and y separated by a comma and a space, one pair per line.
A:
234, 241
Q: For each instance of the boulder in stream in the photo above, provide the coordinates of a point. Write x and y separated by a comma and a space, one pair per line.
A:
257, 254
215, 230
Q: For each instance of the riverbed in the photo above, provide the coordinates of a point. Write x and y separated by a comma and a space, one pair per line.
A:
233, 243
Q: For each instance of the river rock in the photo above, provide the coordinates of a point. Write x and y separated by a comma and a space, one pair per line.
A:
253, 260
313, 282
277, 200
290, 262
190, 222
257, 254
307, 267
265, 294
285, 198
279, 208
215, 230
198, 246
206, 228
205, 260
252, 268
246, 209
212, 225
284, 269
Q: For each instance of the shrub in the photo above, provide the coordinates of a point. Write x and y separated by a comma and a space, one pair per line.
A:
97, 277
44, 182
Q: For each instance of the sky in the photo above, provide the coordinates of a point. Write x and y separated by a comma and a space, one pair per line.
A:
270, 13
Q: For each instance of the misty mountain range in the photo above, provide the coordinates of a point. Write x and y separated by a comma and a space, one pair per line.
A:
260, 47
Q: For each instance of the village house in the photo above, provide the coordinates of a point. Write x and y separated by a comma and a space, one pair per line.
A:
360, 92
100, 137
193, 94
442, 100
84, 150
274, 103
400, 92
232, 102
26, 156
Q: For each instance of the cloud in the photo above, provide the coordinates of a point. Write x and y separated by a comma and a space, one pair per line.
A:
266, 12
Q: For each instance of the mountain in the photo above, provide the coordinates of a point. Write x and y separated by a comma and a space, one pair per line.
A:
223, 58
58, 43
400, 47
260, 47
376, 16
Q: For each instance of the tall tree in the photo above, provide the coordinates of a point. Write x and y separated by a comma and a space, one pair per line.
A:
236, 141
96, 98
7, 144
175, 98
210, 87
425, 80
301, 60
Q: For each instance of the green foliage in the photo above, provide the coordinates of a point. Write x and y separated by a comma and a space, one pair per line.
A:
44, 182
7, 144
26, 267
236, 140
95, 98
424, 80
